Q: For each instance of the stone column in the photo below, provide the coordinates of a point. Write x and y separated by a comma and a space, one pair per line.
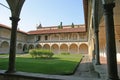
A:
96, 30
110, 41
97, 46
12, 52
93, 53
68, 47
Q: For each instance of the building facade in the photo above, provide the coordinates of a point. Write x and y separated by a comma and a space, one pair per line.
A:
102, 21
5, 32
67, 39
91, 14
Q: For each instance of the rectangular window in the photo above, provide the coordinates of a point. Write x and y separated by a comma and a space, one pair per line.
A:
46, 37
39, 38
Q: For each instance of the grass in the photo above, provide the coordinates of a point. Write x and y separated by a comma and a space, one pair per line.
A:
59, 64
4, 55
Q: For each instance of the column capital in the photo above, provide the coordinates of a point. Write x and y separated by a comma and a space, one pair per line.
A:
108, 8
96, 30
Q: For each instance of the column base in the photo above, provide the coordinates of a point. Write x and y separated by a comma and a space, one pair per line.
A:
97, 63
9, 71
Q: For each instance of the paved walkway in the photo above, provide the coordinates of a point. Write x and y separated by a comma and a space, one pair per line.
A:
86, 69
102, 69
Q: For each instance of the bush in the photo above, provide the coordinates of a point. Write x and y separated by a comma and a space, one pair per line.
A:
41, 53
65, 53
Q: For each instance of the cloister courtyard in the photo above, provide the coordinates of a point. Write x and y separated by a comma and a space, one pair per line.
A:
89, 51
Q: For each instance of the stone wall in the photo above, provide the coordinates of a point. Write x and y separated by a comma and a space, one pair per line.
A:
22, 77
26, 76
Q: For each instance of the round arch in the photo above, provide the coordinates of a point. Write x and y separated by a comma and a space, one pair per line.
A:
73, 48
31, 46
24, 47
38, 46
55, 48
4, 47
46, 46
63, 48
19, 48
4, 44
83, 49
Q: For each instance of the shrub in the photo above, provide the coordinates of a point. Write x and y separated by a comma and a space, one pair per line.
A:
41, 53
33, 53
65, 53
26, 51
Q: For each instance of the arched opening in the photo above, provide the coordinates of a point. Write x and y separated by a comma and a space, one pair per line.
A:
55, 48
19, 48
4, 47
25, 48
73, 48
46, 46
63, 48
83, 49
38, 46
31, 46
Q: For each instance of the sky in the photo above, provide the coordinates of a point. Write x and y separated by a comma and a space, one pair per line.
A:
47, 12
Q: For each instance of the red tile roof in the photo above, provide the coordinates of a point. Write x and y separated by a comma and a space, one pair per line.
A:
4, 26
49, 31
65, 30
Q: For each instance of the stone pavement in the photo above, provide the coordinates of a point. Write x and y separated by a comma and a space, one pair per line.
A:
86, 69
102, 69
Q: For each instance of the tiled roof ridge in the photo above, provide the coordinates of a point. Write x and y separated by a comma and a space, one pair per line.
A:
63, 25
7, 27
64, 30
50, 31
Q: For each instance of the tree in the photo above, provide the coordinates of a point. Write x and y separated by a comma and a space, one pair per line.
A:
72, 25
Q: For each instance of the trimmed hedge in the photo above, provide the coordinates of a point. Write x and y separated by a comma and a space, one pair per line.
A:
41, 53
65, 53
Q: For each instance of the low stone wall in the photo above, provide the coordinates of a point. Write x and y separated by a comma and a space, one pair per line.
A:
24, 76
14, 77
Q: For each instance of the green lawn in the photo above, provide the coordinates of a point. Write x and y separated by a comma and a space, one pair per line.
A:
59, 64
3, 55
